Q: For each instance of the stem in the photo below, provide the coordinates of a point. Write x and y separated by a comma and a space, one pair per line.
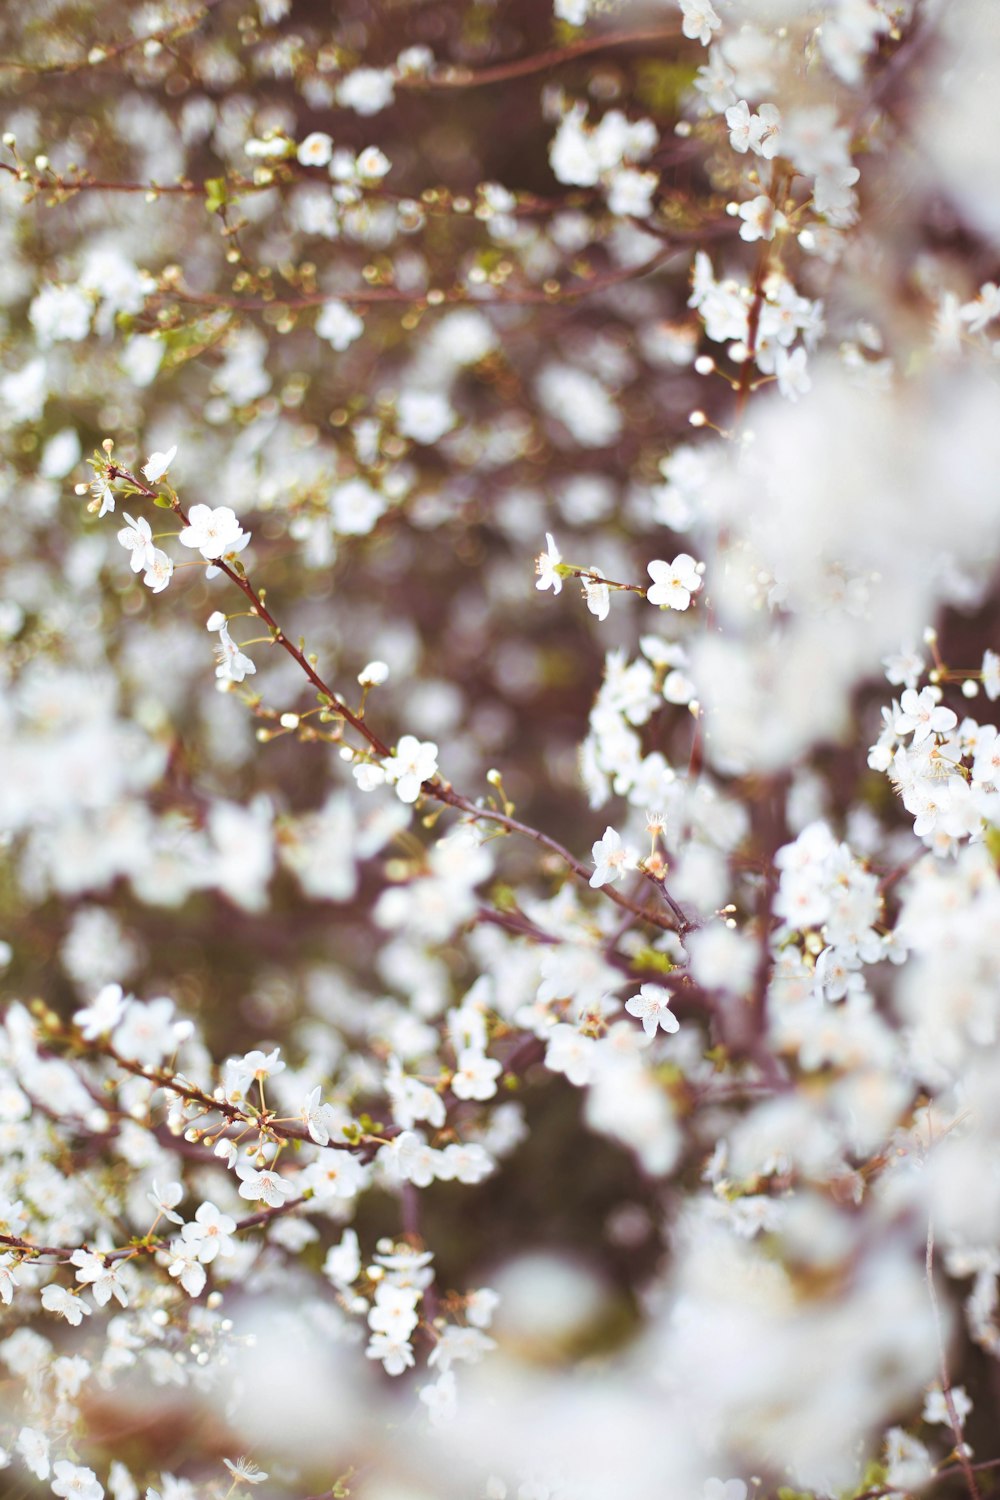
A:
523, 67
439, 790
954, 1419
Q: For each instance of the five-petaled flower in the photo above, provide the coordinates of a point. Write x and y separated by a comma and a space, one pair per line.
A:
652, 1007
137, 538
547, 566
674, 583
233, 664
158, 463
922, 713
213, 531
414, 762
611, 858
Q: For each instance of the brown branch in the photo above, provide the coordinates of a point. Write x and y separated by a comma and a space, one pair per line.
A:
144, 1247
438, 789
541, 62
112, 53
557, 293
954, 1420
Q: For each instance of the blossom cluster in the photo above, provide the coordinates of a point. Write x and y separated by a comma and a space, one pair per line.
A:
457, 1039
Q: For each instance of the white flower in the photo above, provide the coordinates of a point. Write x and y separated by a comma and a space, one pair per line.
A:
396, 1354
792, 373
209, 1232
136, 537
159, 571
395, 1310
262, 1186
547, 565
738, 120
765, 131
424, 416
440, 1399
186, 1267
315, 150
245, 1471
158, 463
991, 675
611, 858
571, 1053
673, 583
759, 219
372, 164
652, 1006
103, 1278
936, 1408
33, 1447
374, 674
60, 313
166, 1201
233, 665
922, 714
102, 1014
597, 594
366, 91
343, 1261
56, 1299
74, 1482
475, 1076
339, 325
214, 532
414, 762
700, 20
8, 1280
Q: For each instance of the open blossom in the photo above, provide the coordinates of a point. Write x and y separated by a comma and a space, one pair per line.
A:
922, 714
597, 594
57, 1299
760, 219
159, 571
8, 1280
414, 762
792, 373
547, 566
158, 463
759, 133
263, 1186
103, 1278
339, 325
102, 1014
210, 1233
137, 538
652, 1007
700, 20
673, 583
74, 1482
245, 1471
476, 1075
233, 665
316, 150
214, 532
611, 858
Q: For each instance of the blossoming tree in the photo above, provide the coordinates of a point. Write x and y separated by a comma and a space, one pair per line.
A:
485, 1018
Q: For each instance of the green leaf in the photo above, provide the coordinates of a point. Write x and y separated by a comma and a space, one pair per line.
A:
216, 194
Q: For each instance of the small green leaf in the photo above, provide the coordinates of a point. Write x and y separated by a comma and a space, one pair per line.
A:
216, 194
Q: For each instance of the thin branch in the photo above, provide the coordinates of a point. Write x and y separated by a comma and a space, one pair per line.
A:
554, 293
143, 1247
954, 1420
437, 788
541, 62
98, 55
